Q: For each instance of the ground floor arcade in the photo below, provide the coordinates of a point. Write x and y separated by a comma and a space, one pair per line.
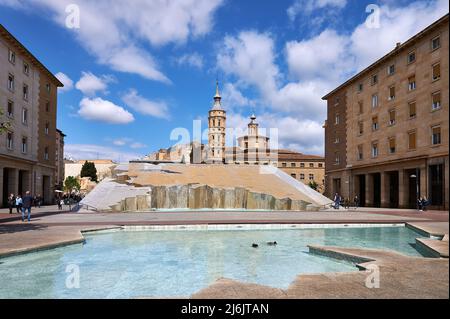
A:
17, 177
394, 184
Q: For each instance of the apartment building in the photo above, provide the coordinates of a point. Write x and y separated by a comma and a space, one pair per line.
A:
28, 98
386, 133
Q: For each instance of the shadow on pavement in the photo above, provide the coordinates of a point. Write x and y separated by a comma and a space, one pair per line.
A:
20, 228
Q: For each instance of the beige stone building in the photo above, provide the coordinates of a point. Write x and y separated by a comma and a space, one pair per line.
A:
28, 98
386, 134
104, 168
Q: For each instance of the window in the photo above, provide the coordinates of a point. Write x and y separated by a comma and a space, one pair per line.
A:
360, 87
392, 117
392, 145
294, 176
26, 68
292, 164
12, 56
436, 71
374, 100
360, 107
411, 57
374, 79
311, 165
436, 43
25, 92
391, 93
436, 104
47, 106
11, 82
47, 125
337, 158
336, 101
360, 152
24, 116
375, 149
412, 83
391, 69
337, 140
302, 165
24, 145
302, 176
284, 164
46, 153
10, 140
361, 127
412, 109
337, 119
436, 135
311, 177
320, 165
47, 86
375, 125
412, 140
10, 109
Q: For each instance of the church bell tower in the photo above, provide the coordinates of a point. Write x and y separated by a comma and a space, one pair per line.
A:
216, 130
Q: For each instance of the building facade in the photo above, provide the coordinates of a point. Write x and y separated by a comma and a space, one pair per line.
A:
386, 133
59, 160
27, 148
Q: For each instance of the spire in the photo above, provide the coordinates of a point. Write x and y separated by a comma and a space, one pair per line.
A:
217, 97
217, 90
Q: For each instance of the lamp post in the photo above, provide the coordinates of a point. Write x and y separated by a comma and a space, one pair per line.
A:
416, 176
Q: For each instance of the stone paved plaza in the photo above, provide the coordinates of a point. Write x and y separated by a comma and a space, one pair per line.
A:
404, 276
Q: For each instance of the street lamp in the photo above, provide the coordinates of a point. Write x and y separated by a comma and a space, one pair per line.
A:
416, 176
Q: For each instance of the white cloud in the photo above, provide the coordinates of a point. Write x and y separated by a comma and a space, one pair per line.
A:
92, 151
136, 145
126, 141
90, 84
68, 83
101, 110
144, 106
232, 97
306, 7
193, 59
122, 141
115, 32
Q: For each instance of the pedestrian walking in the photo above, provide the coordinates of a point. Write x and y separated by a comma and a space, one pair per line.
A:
27, 202
18, 204
337, 201
419, 204
60, 203
11, 202
424, 203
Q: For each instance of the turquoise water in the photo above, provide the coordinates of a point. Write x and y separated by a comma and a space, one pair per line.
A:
128, 264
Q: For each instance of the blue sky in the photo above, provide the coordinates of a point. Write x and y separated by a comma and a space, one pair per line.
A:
135, 70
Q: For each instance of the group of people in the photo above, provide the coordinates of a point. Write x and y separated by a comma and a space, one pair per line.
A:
23, 204
422, 204
67, 199
338, 201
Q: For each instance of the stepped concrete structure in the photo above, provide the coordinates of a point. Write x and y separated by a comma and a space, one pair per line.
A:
144, 187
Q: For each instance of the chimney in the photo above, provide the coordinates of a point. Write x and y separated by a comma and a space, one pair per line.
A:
398, 45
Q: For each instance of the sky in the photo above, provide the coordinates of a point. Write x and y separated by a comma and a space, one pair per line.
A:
136, 70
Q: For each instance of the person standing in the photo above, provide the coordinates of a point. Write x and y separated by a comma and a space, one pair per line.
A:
19, 204
11, 202
27, 202
356, 200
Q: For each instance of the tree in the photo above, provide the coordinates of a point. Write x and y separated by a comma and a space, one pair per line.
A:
313, 185
89, 170
71, 183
